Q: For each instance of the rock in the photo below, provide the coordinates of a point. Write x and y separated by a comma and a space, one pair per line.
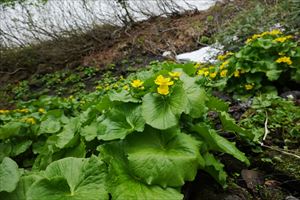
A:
252, 179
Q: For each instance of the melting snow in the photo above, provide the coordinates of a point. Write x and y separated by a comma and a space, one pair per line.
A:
205, 54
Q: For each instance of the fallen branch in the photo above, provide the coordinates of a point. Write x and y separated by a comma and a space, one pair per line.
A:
11, 73
280, 150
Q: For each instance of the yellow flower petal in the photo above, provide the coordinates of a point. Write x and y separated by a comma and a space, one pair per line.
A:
163, 89
213, 75
42, 110
160, 80
223, 73
284, 59
175, 75
236, 73
249, 86
137, 83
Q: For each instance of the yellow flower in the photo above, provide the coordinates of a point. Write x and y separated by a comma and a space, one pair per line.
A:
213, 75
222, 57
249, 40
137, 83
99, 87
197, 65
30, 120
24, 110
202, 71
224, 65
249, 86
275, 32
284, 59
175, 75
116, 85
4, 111
42, 110
236, 73
280, 39
125, 87
283, 39
255, 36
163, 89
160, 80
223, 73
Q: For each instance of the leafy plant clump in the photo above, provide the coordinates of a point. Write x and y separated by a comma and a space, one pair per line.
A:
265, 58
282, 117
151, 135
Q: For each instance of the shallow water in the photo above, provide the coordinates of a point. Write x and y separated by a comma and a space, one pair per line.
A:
27, 23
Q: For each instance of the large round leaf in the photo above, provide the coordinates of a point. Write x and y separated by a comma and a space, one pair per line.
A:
163, 112
71, 179
9, 175
20, 192
162, 157
122, 184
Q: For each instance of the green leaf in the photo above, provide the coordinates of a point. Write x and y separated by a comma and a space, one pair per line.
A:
121, 121
166, 158
50, 125
71, 179
229, 125
20, 147
218, 143
103, 104
9, 175
124, 185
123, 96
77, 151
217, 104
162, 112
195, 95
10, 129
20, 192
215, 168
65, 137
89, 132
273, 75
5, 150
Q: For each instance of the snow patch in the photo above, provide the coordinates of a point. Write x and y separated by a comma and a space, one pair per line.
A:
205, 54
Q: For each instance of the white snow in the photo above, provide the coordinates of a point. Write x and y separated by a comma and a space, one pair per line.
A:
205, 54
58, 15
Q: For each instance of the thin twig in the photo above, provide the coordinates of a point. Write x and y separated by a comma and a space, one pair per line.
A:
280, 150
266, 128
11, 73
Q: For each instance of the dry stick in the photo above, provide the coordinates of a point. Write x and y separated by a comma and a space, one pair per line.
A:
274, 148
266, 128
11, 73
280, 150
